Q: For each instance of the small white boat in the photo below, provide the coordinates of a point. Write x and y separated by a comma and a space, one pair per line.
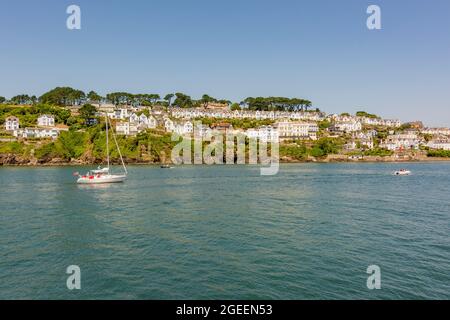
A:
104, 175
402, 172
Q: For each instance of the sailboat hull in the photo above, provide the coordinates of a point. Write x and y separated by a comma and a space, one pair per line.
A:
110, 178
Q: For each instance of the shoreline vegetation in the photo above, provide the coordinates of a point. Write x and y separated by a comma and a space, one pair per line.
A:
87, 147
80, 138
11, 160
76, 163
154, 147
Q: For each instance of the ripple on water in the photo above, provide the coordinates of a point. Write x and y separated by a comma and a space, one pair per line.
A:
228, 233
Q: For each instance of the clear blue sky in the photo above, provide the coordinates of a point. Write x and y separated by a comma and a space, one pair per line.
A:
315, 49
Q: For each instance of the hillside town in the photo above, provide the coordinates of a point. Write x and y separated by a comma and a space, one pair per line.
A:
131, 121
353, 136
287, 126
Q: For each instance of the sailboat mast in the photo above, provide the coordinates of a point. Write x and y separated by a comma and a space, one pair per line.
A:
107, 142
120, 153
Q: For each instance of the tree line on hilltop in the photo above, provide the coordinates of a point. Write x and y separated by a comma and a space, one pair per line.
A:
66, 96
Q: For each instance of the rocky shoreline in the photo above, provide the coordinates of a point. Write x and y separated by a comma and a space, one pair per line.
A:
15, 160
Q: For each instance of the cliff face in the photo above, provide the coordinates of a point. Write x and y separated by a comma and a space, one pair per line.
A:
12, 159
18, 160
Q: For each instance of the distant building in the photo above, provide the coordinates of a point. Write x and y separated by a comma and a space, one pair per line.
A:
225, 113
134, 118
46, 120
127, 128
104, 107
216, 105
120, 114
392, 123
91, 121
222, 127
436, 131
202, 130
12, 123
296, 129
169, 125
443, 144
346, 127
184, 128
143, 119
37, 133
151, 122
401, 142
264, 134
416, 125
351, 145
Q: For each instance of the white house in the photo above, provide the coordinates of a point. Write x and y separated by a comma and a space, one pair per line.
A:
351, 145
184, 128
104, 107
127, 128
392, 123
46, 120
347, 126
202, 130
368, 143
436, 131
169, 125
296, 129
361, 141
401, 142
12, 123
134, 118
439, 144
151, 122
264, 134
120, 114
29, 133
143, 119
371, 121
192, 113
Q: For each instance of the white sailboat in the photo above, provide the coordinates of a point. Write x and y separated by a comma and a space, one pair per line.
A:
104, 175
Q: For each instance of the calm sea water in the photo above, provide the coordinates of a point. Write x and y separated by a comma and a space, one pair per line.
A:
226, 232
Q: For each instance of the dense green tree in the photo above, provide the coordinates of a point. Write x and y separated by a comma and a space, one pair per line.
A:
2, 99
63, 96
183, 101
146, 99
87, 111
21, 99
153, 97
367, 115
439, 153
119, 98
325, 146
140, 99
94, 97
224, 101
235, 106
277, 103
206, 99
256, 103
324, 124
169, 98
